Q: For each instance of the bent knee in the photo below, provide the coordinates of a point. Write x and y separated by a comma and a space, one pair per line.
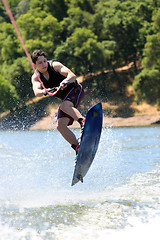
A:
62, 124
59, 126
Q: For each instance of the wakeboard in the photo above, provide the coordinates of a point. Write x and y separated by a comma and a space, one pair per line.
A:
89, 143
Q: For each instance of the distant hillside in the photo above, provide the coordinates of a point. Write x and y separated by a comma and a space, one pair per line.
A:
113, 89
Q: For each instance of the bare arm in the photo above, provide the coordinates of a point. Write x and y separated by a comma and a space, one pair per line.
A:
66, 72
37, 87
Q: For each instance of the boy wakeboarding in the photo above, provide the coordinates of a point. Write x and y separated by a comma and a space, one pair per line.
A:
55, 74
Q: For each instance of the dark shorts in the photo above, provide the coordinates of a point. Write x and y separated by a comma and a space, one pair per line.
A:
75, 95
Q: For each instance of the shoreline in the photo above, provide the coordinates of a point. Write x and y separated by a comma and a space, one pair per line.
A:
49, 122
144, 115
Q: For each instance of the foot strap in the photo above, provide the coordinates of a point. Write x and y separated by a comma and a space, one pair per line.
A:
74, 146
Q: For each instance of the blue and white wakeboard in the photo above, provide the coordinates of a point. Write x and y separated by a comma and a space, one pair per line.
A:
89, 142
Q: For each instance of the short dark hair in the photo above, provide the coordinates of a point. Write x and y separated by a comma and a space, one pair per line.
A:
37, 53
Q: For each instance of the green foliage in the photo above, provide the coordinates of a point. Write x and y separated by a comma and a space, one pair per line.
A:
8, 43
41, 30
123, 23
82, 47
8, 95
76, 18
22, 7
85, 5
152, 52
58, 8
3, 14
147, 82
85, 35
19, 75
147, 86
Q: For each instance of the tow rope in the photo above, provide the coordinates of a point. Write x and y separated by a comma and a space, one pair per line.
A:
24, 47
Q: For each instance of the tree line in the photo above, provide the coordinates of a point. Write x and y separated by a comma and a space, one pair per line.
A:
86, 36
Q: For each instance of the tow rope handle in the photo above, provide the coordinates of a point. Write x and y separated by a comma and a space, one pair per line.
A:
54, 90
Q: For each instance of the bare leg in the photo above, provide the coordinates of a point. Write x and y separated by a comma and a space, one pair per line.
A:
65, 131
62, 124
68, 108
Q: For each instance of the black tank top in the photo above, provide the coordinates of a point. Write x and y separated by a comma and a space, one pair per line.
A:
55, 78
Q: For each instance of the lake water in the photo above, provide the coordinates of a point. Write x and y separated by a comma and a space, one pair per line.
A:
119, 199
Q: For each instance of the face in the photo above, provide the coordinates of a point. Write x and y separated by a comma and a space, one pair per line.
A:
41, 64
